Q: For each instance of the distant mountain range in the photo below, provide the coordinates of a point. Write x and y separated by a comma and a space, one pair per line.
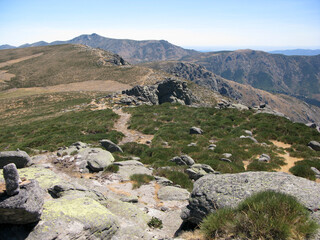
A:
297, 52
277, 73
131, 50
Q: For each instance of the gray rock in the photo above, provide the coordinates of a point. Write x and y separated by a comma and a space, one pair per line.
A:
239, 106
97, 158
110, 146
212, 146
20, 158
192, 145
11, 177
163, 181
316, 171
213, 192
129, 163
311, 125
314, 145
131, 199
127, 170
170, 193
80, 145
183, 160
24, 207
199, 170
225, 160
249, 137
264, 158
227, 155
249, 133
196, 130
169, 90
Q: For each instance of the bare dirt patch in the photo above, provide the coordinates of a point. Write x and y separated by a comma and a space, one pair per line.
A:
130, 135
288, 159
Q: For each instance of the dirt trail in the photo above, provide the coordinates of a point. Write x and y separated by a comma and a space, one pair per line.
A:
288, 159
130, 135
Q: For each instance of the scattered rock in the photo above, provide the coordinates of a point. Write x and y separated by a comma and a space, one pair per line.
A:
20, 158
192, 145
264, 158
11, 177
314, 145
131, 199
213, 192
24, 207
196, 130
110, 146
226, 160
227, 155
199, 170
212, 146
249, 137
249, 133
316, 171
169, 193
311, 125
183, 160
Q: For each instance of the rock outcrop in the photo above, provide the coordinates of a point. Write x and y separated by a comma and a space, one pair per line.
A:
24, 207
170, 90
213, 192
19, 158
173, 193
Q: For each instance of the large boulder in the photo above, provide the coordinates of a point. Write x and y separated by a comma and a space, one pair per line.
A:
169, 90
75, 217
24, 207
213, 192
97, 158
170, 193
183, 160
110, 146
20, 158
314, 145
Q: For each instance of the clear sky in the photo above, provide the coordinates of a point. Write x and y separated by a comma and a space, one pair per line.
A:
200, 24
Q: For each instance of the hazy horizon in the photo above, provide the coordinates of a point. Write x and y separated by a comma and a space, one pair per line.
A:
210, 25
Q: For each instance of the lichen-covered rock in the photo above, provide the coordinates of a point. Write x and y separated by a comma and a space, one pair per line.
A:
20, 158
173, 193
24, 207
11, 177
45, 177
213, 192
110, 146
74, 217
97, 158
125, 171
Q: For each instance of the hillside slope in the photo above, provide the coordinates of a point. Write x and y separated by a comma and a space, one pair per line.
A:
293, 75
65, 64
295, 109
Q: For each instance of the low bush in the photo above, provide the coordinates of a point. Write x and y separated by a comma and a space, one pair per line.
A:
140, 179
155, 223
112, 168
265, 215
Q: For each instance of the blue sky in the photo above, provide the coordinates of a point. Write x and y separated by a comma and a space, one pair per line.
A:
201, 24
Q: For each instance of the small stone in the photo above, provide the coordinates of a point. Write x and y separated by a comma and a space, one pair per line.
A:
227, 155
196, 130
249, 133
11, 177
264, 158
192, 145
225, 160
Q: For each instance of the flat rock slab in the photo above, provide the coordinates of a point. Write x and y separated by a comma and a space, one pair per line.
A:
24, 207
126, 171
129, 163
20, 158
173, 193
213, 192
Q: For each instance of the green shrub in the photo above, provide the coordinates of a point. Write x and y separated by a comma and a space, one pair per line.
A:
176, 176
111, 168
155, 223
303, 171
265, 215
140, 179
